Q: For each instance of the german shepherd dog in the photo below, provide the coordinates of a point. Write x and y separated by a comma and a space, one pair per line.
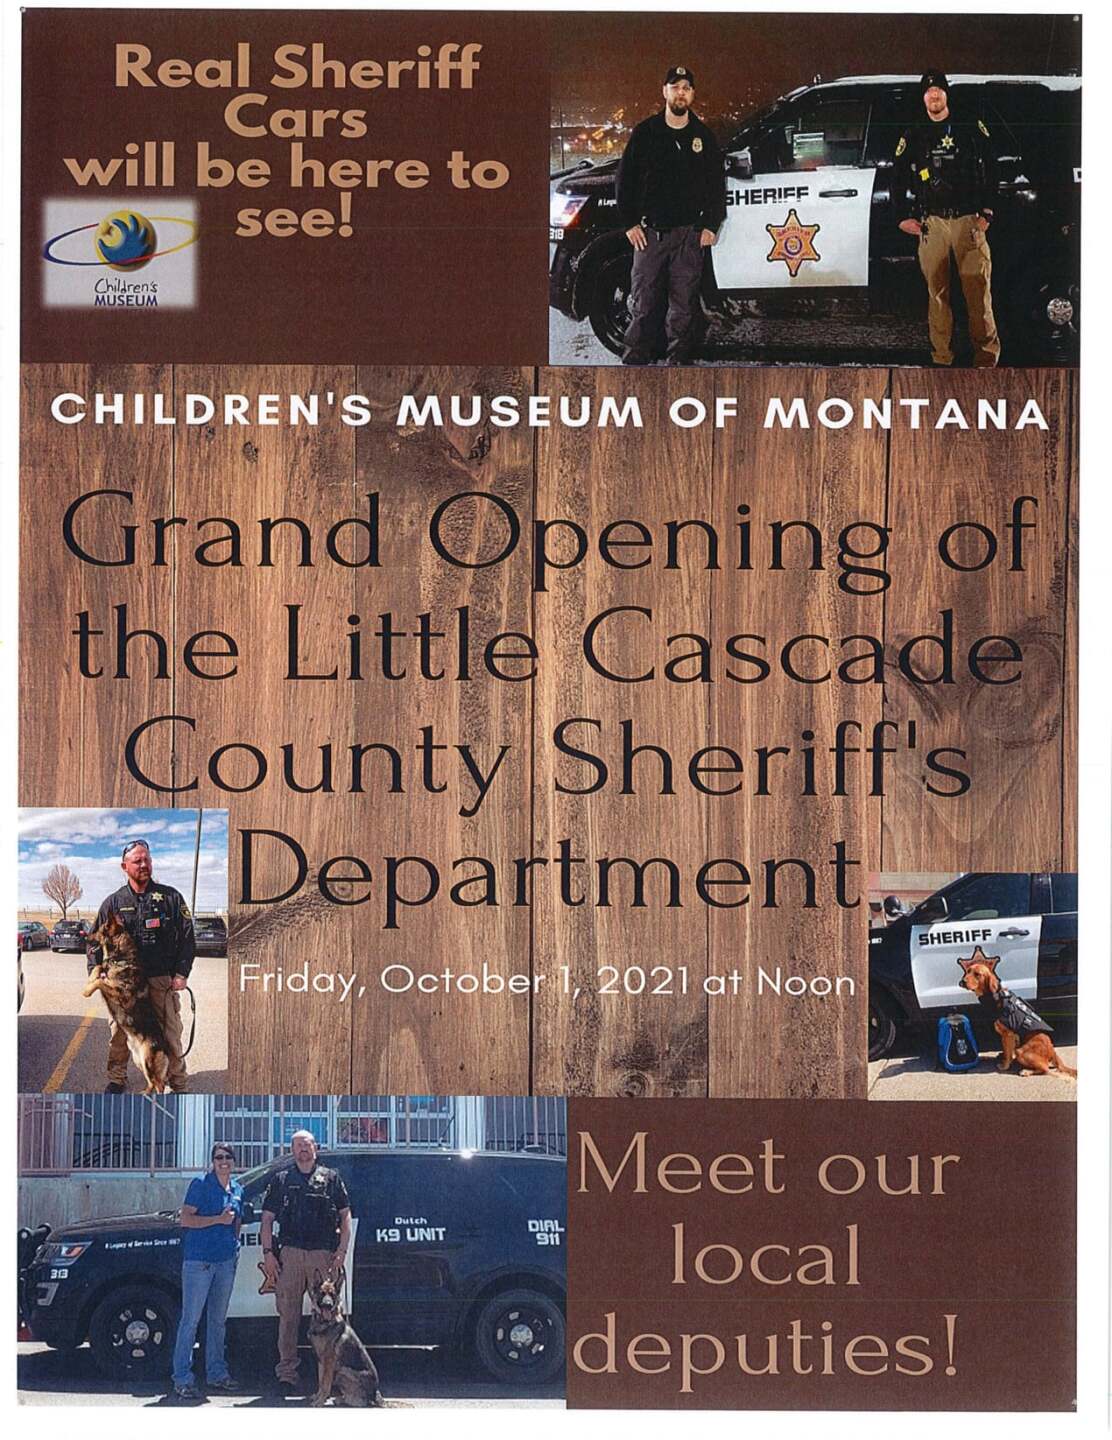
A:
121, 981
342, 1360
1024, 1035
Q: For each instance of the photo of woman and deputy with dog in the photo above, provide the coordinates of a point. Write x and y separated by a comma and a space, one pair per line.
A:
278, 1274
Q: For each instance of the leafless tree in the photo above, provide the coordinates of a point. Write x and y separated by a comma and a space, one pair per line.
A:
63, 887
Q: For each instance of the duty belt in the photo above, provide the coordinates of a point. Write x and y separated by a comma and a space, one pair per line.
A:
667, 229
948, 214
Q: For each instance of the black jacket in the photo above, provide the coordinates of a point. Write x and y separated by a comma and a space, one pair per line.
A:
949, 166
307, 1207
669, 177
158, 921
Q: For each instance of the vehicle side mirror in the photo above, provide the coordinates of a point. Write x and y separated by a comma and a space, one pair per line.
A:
740, 164
933, 908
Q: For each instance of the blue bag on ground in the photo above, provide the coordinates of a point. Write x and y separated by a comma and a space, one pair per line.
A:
957, 1048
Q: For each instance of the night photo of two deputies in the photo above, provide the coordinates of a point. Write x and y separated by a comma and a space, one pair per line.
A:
864, 203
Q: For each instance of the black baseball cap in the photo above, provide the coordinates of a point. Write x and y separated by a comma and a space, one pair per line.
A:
679, 72
934, 80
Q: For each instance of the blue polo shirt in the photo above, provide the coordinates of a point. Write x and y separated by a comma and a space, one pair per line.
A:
214, 1243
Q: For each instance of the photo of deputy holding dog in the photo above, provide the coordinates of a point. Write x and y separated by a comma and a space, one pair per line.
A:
305, 1236
973, 986
139, 958
129, 982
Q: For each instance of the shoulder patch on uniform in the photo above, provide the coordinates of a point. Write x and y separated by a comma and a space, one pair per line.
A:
185, 910
901, 147
983, 128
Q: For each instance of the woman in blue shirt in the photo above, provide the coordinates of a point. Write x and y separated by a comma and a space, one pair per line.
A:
210, 1218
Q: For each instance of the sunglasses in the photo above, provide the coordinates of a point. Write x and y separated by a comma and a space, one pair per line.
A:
134, 845
222, 1155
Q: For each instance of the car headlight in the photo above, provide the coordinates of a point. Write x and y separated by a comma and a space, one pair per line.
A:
562, 209
56, 1252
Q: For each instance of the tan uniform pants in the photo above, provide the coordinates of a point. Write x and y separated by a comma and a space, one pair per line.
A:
167, 1006
963, 238
294, 1278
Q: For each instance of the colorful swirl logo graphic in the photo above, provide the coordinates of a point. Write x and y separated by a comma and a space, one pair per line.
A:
124, 241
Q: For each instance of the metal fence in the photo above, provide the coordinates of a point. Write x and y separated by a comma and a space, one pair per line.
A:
64, 1134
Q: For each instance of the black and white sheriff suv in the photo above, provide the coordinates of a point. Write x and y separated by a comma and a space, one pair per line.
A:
818, 165
1028, 920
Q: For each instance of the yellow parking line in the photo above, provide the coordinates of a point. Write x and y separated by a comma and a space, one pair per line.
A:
69, 1054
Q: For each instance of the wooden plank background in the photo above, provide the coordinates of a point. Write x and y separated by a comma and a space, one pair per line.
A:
1021, 740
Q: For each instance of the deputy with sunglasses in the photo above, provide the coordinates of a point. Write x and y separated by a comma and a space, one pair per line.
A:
158, 920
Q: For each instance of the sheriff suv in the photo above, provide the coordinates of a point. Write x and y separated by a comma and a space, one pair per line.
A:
1028, 920
818, 168
450, 1248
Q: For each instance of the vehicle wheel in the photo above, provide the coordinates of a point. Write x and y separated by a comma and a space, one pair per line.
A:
882, 1026
519, 1336
132, 1333
1049, 315
609, 313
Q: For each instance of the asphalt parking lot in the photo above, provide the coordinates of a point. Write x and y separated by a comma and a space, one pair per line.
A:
63, 1038
912, 1074
411, 1379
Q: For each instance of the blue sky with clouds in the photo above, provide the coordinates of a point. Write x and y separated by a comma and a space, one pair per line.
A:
90, 843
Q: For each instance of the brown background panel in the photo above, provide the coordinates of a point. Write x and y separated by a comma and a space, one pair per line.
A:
304, 1042
410, 283
620, 1043
71, 740
831, 478
1008, 1277
1018, 816
481, 1043
1012, 818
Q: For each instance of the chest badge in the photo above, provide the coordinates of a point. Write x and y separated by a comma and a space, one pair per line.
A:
947, 142
793, 243
697, 145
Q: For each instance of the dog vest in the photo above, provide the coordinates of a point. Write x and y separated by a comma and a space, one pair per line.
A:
1017, 1015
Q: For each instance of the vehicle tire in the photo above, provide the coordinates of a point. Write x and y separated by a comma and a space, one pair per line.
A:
609, 313
519, 1337
882, 1025
1048, 318
132, 1333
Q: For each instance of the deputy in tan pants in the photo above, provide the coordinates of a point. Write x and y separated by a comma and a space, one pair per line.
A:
947, 165
309, 1204
157, 918
962, 236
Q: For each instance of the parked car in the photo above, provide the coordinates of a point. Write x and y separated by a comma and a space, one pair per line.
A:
450, 1248
1028, 920
210, 935
69, 935
21, 983
33, 935
826, 153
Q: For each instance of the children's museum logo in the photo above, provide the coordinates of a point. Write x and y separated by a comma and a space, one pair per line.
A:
123, 258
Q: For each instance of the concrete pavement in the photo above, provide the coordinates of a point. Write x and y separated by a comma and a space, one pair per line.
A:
63, 1038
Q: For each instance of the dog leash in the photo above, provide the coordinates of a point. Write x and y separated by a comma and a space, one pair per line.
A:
192, 1023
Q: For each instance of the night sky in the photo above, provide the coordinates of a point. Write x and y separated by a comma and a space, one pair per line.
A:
743, 61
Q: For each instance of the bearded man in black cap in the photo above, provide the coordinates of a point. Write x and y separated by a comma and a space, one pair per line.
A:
949, 165
672, 200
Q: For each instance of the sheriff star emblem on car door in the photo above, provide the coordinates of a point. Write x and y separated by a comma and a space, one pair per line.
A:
793, 243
